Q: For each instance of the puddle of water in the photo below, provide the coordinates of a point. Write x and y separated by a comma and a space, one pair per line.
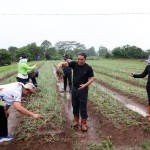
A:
93, 127
129, 103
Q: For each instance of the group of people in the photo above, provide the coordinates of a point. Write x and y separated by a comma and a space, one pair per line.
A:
83, 76
14, 92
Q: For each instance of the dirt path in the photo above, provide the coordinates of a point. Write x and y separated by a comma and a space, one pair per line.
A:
84, 138
128, 102
100, 127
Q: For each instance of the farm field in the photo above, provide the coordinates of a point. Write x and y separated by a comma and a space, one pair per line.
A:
113, 125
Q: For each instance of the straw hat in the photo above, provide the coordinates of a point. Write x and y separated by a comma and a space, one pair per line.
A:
30, 86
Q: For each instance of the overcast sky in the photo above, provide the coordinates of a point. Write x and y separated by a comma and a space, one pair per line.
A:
26, 21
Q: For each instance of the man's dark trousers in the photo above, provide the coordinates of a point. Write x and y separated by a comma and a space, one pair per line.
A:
79, 102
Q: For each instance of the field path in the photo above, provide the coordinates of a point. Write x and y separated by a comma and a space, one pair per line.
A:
84, 138
128, 102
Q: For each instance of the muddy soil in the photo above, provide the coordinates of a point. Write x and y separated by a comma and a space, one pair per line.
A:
128, 102
83, 138
134, 98
100, 129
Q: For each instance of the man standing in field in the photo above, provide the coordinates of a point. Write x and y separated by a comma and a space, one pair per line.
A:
82, 77
142, 75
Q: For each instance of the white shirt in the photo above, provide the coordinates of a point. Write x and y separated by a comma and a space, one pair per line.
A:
10, 93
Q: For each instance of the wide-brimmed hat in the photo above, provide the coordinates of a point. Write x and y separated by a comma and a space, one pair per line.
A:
148, 60
30, 86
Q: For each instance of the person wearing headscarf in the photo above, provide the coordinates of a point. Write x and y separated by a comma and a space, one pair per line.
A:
23, 69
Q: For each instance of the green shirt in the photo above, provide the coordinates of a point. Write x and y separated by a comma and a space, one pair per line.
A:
23, 68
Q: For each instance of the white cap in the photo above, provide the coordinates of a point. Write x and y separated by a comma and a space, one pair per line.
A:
148, 60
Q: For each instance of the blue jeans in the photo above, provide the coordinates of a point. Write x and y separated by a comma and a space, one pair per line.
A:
3, 123
33, 78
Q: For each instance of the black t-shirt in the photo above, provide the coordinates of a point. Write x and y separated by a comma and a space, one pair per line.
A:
81, 74
144, 74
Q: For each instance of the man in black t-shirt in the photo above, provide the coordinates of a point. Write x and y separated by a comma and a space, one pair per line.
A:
82, 77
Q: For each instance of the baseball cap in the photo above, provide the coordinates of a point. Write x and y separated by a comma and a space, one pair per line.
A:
30, 86
148, 60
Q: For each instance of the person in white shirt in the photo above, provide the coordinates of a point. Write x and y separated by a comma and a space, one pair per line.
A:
12, 94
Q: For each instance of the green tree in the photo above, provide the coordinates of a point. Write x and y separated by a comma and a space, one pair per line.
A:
52, 54
128, 51
5, 58
12, 52
102, 51
69, 45
46, 45
91, 51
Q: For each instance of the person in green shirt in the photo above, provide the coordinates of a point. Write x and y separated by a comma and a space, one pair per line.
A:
23, 70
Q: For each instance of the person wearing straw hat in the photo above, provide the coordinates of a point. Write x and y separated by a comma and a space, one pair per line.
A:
142, 75
12, 94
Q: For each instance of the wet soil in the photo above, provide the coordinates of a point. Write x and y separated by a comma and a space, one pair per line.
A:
134, 98
128, 102
84, 138
100, 129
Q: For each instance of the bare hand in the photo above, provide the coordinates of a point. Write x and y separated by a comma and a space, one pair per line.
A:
82, 86
37, 116
131, 74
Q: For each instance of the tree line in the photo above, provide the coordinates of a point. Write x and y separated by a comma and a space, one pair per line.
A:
48, 52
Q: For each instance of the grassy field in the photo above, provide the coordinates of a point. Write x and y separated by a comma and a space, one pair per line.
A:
115, 75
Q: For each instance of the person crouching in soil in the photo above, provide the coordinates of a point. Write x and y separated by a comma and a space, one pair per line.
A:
12, 94
82, 77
